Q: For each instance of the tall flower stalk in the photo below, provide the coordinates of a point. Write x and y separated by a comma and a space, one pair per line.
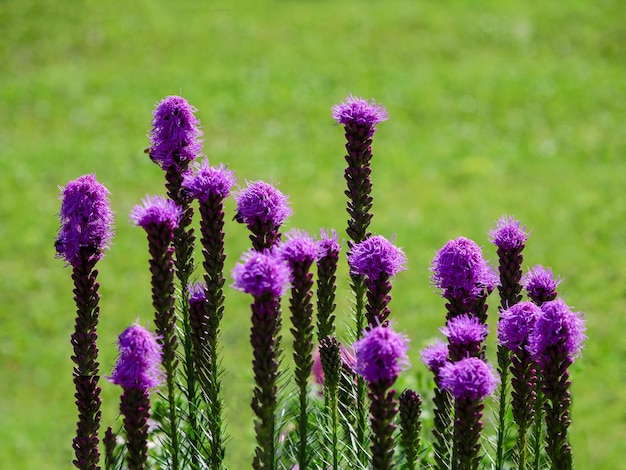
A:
510, 239
265, 277
138, 370
159, 217
85, 233
380, 357
330, 357
327, 259
299, 250
410, 409
359, 118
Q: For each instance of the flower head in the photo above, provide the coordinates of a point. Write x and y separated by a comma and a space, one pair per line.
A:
175, 135
298, 247
261, 273
208, 181
381, 354
435, 356
508, 234
459, 267
557, 326
465, 330
260, 201
157, 211
470, 378
516, 323
139, 362
86, 219
328, 244
197, 293
374, 256
360, 112
540, 283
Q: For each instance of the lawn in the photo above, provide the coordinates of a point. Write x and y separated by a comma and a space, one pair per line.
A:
495, 108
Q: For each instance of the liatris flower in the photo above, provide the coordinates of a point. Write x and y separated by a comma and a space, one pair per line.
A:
159, 217
263, 209
464, 278
265, 277
85, 233
540, 284
469, 380
331, 363
380, 357
299, 250
327, 259
510, 239
377, 260
410, 409
514, 327
200, 332
435, 357
466, 337
211, 186
554, 342
138, 370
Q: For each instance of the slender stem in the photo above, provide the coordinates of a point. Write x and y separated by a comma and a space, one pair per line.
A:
503, 368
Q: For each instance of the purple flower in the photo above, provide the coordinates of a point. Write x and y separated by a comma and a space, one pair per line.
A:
139, 363
328, 244
435, 356
196, 292
209, 181
156, 211
175, 135
466, 335
508, 234
260, 201
459, 267
557, 326
299, 247
381, 355
540, 283
516, 323
86, 219
360, 112
374, 256
261, 273
470, 378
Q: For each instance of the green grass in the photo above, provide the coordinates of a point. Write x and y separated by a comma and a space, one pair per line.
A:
495, 107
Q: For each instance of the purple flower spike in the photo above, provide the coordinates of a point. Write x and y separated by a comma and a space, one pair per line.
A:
261, 274
299, 247
508, 234
516, 323
540, 284
375, 256
558, 327
86, 220
328, 244
209, 181
196, 292
381, 355
435, 356
156, 211
360, 112
139, 362
175, 135
260, 201
466, 335
470, 378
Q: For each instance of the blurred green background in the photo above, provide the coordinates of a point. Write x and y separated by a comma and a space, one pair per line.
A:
495, 108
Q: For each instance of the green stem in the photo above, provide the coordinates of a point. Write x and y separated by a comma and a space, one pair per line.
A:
504, 362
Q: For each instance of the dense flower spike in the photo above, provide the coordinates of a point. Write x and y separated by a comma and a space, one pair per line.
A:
466, 336
435, 356
156, 211
357, 111
298, 247
540, 284
328, 247
410, 409
381, 355
86, 220
508, 234
263, 208
516, 323
330, 376
469, 378
175, 134
207, 181
261, 274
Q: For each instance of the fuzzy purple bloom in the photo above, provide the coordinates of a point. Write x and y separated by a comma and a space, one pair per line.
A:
381, 355
328, 244
209, 181
540, 283
435, 356
516, 323
175, 136
197, 293
261, 273
298, 247
466, 335
508, 234
374, 256
557, 326
139, 363
261, 201
469, 378
86, 219
360, 112
459, 267
156, 211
